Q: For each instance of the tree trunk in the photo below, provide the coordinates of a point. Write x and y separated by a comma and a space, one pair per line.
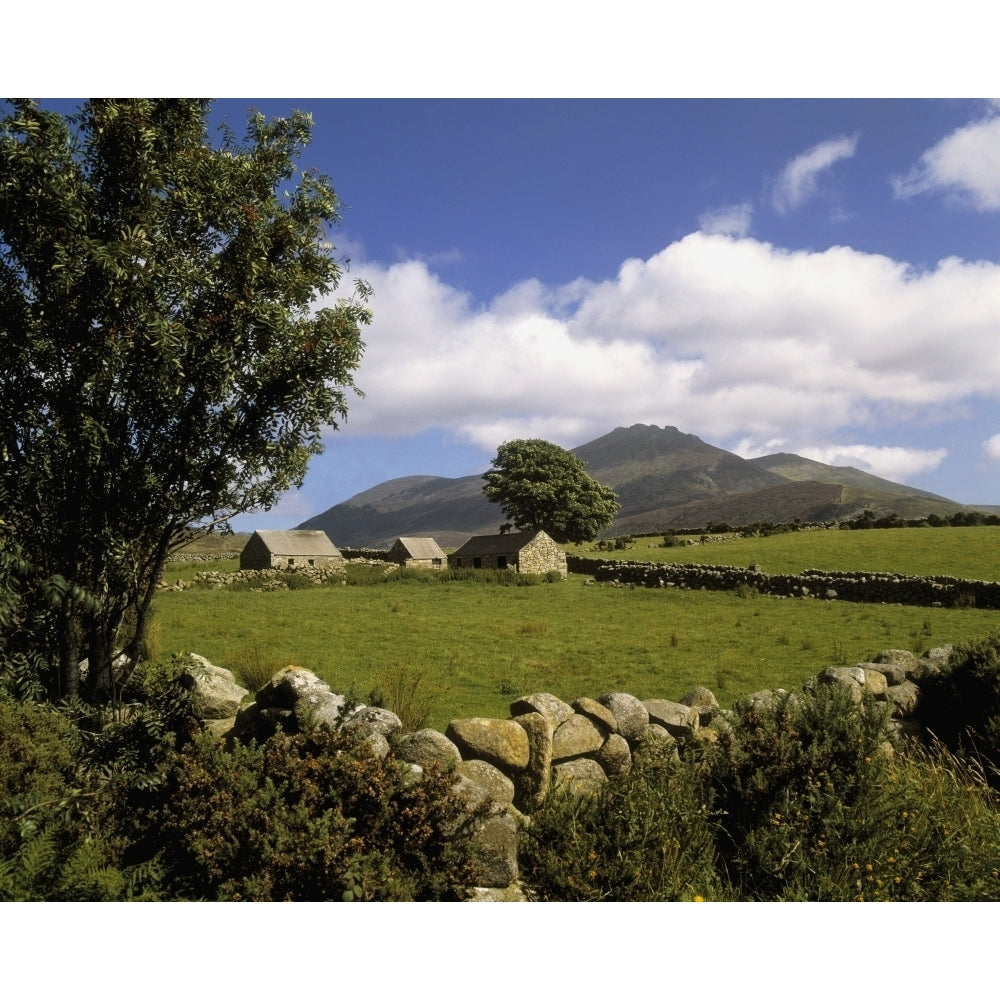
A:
69, 655
99, 657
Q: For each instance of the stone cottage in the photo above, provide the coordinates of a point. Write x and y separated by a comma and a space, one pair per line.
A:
288, 550
524, 551
422, 553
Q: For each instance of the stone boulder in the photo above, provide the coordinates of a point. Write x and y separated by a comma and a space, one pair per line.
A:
902, 657
494, 852
894, 673
857, 680
483, 782
581, 775
553, 708
309, 699
615, 757
501, 742
596, 711
427, 748
678, 720
578, 736
903, 698
630, 715
214, 691
704, 701
532, 784
933, 662
370, 719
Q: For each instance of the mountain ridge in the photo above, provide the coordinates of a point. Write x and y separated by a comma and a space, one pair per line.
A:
664, 479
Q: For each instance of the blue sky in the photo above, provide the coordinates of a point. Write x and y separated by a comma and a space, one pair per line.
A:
813, 276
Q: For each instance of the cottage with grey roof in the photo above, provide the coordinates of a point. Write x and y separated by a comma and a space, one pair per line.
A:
422, 553
523, 551
289, 550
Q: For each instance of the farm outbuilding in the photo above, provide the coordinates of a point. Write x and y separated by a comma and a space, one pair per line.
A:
422, 553
289, 549
524, 551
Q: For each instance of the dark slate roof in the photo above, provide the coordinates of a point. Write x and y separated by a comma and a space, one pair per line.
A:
497, 545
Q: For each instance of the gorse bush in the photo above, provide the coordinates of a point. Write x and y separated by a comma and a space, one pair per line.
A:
644, 836
305, 817
150, 807
799, 800
53, 842
787, 779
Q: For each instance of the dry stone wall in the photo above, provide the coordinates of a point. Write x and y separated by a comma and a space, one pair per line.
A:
872, 588
514, 764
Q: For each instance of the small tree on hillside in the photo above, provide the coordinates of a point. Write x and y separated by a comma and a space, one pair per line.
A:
164, 366
542, 486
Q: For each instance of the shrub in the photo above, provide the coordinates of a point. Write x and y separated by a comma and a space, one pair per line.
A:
366, 574
645, 836
815, 806
53, 845
305, 817
788, 780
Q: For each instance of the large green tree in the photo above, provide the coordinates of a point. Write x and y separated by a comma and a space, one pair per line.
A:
164, 361
540, 485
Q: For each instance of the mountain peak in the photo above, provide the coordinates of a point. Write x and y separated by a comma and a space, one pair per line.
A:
663, 477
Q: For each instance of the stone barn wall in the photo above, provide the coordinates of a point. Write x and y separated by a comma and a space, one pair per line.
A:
541, 556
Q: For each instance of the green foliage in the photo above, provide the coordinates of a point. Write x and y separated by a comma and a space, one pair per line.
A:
52, 845
646, 836
788, 779
814, 804
366, 574
313, 817
163, 361
803, 801
542, 486
961, 705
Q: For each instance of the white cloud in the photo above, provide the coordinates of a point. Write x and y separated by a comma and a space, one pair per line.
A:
966, 163
730, 220
991, 448
800, 178
728, 338
897, 464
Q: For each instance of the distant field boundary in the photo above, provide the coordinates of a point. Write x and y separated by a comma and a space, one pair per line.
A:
213, 556
860, 587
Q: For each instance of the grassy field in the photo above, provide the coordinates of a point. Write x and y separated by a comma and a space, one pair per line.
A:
471, 648
973, 553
